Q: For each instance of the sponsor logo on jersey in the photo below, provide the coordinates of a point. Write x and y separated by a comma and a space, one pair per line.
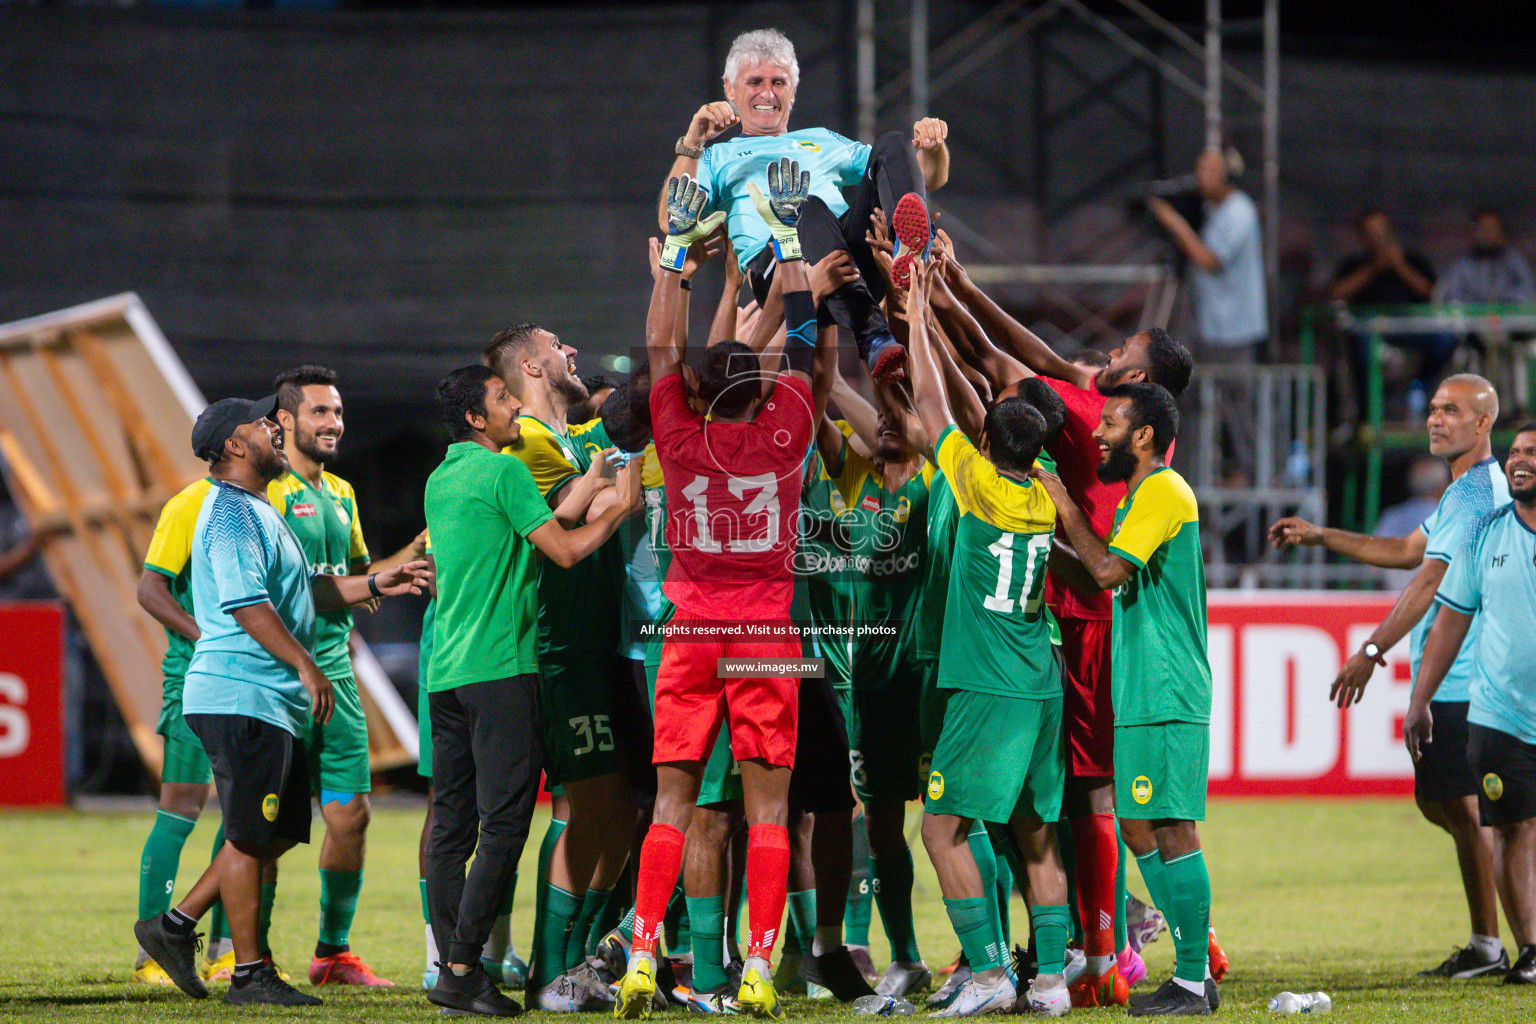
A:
870, 503
1141, 789
269, 807
808, 145
1493, 786
303, 508
935, 785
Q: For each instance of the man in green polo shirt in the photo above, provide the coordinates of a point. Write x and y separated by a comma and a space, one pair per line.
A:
1161, 683
487, 520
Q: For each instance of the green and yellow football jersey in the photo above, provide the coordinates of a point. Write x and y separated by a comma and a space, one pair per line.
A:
325, 521
1159, 665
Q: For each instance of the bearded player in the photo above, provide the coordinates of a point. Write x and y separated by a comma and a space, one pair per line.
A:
733, 487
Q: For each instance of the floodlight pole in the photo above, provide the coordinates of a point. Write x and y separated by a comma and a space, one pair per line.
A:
1212, 74
864, 31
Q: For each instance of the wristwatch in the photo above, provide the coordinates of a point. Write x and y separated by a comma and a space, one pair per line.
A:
683, 149
1371, 650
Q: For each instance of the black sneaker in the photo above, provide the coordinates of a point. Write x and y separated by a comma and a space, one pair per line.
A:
836, 972
1172, 1000
1524, 970
472, 993
1212, 994
1467, 962
176, 953
264, 986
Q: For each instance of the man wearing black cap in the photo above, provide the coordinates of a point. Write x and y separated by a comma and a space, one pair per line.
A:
250, 686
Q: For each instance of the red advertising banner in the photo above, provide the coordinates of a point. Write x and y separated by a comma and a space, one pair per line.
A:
1273, 729
31, 704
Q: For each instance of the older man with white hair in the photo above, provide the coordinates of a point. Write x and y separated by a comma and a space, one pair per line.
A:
895, 174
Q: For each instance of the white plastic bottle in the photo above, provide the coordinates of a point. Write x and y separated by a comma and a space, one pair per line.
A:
1310, 1002
883, 1006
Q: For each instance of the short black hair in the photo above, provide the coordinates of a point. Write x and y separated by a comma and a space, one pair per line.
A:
1168, 362
290, 384
624, 428
1151, 406
1094, 357
639, 394
1523, 427
462, 391
514, 338
730, 378
1015, 431
1050, 405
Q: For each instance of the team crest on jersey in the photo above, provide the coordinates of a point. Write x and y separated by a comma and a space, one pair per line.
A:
1493, 786
903, 510
838, 504
870, 503
1141, 789
341, 513
935, 785
303, 508
808, 145
269, 807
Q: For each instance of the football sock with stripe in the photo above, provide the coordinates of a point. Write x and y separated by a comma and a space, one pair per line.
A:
1097, 851
980, 842
549, 957
1189, 910
974, 927
767, 885
661, 860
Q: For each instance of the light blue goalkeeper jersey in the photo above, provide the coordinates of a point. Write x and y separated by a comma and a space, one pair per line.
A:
1494, 578
726, 167
1474, 494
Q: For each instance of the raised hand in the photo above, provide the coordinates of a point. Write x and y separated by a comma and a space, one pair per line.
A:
685, 221
708, 121
1293, 530
788, 189
929, 133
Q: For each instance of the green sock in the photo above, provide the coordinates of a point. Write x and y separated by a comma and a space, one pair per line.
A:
218, 924
627, 925
893, 895
426, 911
1189, 914
1155, 875
1122, 929
264, 917
1053, 924
338, 904
802, 922
856, 912
986, 863
592, 904
674, 923
546, 853
706, 922
158, 864
552, 940
1003, 861
972, 921
606, 920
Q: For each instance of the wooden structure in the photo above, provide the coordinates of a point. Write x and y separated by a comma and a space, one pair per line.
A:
94, 432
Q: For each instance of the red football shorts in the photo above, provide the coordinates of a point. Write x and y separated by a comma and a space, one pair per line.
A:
1088, 715
692, 702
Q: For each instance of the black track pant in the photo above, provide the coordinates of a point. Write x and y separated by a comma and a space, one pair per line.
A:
486, 759
891, 174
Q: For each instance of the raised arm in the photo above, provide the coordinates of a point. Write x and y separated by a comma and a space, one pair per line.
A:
664, 342
708, 121
1011, 336
928, 394
567, 547
1106, 569
964, 404
724, 324
928, 138
971, 341
333, 593
1385, 552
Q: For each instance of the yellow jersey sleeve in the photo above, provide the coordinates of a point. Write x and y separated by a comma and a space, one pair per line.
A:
170, 549
1156, 512
278, 491
650, 470
542, 454
1014, 506
357, 551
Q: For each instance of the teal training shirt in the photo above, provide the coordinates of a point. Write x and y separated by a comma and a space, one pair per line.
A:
1469, 499
1494, 578
243, 553
727, 167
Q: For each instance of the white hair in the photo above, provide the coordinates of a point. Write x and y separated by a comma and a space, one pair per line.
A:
764, 44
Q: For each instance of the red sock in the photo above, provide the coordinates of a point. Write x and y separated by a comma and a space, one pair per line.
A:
1093, 836
661, 858
767, 886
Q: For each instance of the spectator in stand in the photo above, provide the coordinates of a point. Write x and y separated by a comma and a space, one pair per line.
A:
1493, 271
1427, 480
1384, 273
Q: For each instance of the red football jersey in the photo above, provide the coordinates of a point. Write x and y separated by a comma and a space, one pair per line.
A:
733, 498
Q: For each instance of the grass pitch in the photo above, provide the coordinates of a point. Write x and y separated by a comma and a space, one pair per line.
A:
1350, 897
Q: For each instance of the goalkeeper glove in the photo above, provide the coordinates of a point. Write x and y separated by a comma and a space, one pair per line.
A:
685, 202
788, 188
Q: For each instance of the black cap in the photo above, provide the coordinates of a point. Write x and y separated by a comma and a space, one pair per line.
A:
216, 424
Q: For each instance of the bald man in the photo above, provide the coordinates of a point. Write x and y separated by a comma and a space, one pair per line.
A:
1461, 417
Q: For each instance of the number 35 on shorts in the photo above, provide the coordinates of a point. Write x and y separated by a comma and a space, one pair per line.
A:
593, 732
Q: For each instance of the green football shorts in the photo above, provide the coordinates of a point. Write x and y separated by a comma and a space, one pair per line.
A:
1161, 770
885, 737
998, 757
185, 762
338, 750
